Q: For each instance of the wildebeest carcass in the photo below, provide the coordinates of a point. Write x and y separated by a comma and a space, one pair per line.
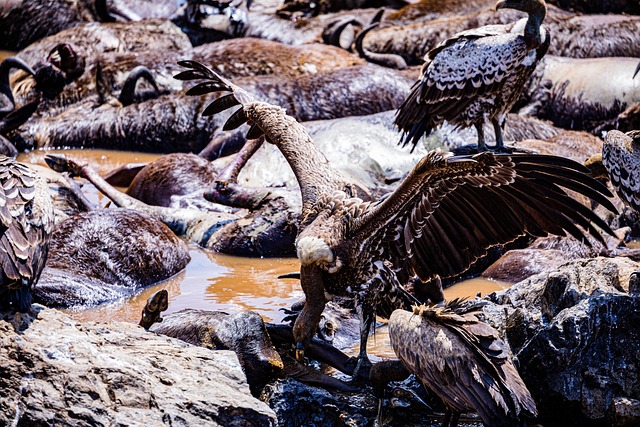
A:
25, 21
66, 77
172, 122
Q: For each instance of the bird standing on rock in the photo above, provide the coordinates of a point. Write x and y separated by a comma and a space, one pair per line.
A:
445, 215
476, 76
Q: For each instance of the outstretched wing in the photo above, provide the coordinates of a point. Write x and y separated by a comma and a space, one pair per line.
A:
450, 210
311, 168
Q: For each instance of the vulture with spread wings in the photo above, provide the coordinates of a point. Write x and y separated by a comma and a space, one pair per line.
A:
446, 213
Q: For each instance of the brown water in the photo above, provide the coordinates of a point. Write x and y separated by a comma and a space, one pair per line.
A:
214, 281
102, 160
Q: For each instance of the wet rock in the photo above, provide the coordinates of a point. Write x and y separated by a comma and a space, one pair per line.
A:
625, 412
103, 255
60, 372
573, 332
244, 333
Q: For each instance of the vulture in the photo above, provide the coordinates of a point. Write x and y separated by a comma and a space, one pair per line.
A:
26, 212
441, 218
475, 76
463, 361
620, 163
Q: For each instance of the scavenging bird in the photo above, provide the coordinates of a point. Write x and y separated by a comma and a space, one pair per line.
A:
26, 213
620, 163
476, 76
445, 214
463, 361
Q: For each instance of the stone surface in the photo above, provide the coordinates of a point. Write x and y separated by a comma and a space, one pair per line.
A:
61, 372
574, 332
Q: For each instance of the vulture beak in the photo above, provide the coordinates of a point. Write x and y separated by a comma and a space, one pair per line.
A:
307, 322
501, 4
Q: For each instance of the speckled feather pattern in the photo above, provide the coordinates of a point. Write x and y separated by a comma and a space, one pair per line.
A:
26, 212
475, 76
621, 158
463, 361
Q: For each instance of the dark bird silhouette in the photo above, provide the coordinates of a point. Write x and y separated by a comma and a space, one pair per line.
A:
463, 361
445, 214
475, 76
26, 213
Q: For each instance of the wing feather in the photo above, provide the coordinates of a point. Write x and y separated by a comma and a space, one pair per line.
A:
448, 212
26, 216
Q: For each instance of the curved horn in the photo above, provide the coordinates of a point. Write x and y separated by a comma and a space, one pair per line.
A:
390, 60
377, 18
637, 71
14, 119
128, 92
333, 33
10, 63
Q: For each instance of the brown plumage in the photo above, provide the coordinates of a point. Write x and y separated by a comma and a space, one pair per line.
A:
445, 215
463, 361
621, 159
475, 76
26, 213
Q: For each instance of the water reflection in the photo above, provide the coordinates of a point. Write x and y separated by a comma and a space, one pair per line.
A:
102, 160
214, 282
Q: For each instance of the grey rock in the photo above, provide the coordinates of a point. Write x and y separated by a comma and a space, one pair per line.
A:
60, 372
574, 333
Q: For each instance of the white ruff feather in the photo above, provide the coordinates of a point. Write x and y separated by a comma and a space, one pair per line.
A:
313, 250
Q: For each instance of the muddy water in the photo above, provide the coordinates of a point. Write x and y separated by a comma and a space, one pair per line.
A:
220, 282
102, 160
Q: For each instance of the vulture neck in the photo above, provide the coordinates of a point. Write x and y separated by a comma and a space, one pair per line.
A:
532, 35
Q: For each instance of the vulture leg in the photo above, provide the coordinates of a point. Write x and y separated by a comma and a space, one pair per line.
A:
367, 318
498, 129
481, 145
